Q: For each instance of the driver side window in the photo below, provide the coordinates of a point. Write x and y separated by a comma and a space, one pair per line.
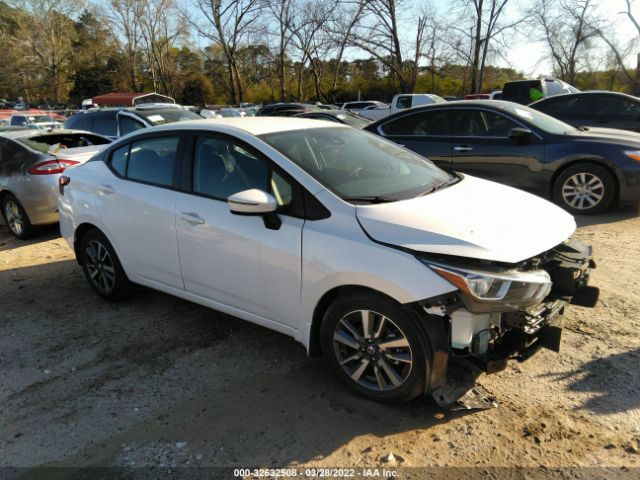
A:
222, 168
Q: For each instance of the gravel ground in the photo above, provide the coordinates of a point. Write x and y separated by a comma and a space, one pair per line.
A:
163, 382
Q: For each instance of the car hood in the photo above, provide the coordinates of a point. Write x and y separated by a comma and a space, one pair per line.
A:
473, 218
613, 135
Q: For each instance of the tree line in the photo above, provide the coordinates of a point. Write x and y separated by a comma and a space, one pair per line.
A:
231, 51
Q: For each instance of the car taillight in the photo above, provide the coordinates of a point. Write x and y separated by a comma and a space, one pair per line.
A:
63, 181
51, 167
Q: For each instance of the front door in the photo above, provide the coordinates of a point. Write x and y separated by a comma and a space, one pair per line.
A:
234, 259
482, 147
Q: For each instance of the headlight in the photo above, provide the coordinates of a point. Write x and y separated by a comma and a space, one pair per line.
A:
484, 291
633, 154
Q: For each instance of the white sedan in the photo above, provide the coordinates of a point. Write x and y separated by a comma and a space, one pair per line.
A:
361, 250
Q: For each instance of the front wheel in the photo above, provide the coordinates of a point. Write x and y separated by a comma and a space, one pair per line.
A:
584, 189
102, 268
374, 346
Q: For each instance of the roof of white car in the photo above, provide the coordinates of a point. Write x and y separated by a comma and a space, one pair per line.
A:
254, 125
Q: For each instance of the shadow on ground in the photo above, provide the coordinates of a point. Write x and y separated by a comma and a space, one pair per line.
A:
82, 377
613, 379
614, 214
45, 233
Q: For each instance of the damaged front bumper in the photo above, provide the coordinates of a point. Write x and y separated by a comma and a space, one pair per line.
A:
490, 339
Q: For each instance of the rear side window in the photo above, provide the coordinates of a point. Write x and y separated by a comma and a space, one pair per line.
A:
150, 160
81, 122
433, 123
105, 126
128, 125
404, 102
119, 160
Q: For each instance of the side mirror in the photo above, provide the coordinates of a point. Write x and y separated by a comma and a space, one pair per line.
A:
256, 202
519, 133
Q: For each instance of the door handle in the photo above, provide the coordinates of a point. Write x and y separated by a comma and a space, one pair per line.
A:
192, 218
463, 148
106, 189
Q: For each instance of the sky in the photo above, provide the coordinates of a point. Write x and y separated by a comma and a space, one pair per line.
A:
530, 57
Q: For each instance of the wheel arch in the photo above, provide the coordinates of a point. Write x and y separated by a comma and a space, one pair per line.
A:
592, 161
314, 348
80, 232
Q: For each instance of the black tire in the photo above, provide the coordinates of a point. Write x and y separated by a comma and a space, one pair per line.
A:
372, 368
584, 189
102, 268
16, 218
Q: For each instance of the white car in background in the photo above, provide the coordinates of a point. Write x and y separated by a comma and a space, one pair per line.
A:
361, 250
378, 110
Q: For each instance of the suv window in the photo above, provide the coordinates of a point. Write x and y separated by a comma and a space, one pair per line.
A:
128, 125
571, 105
18, 120
222, 167
150, 160
617, 107
423, 123
105, 126
404, 102
480, 123
81, 122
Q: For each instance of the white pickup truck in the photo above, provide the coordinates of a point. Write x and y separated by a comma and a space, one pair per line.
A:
376, 110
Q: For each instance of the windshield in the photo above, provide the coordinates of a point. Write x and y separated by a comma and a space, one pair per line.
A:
357, 165
169, 115
540, 120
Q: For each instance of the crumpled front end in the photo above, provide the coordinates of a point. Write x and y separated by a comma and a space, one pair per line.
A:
505, 319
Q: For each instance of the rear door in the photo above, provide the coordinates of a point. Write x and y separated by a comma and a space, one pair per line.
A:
426, 132
236, 260
136, 206
482, 147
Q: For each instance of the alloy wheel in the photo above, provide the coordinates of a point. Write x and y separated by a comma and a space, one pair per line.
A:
372, 350
100, 266
14, 217
583, 191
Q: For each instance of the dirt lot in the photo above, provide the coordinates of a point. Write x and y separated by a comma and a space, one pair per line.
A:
159, 381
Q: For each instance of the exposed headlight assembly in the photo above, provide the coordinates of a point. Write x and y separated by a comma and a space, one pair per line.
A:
486, 291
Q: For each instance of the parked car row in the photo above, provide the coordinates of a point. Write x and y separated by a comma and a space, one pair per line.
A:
397, 265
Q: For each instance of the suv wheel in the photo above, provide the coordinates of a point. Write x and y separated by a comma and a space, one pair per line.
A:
375, 347
16, 218
584, 189
102, 268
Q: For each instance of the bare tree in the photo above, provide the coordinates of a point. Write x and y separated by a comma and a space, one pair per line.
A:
568, 29
622, 50
229, 24
379, 32
160, 27
45, 38
484, 24
126, 16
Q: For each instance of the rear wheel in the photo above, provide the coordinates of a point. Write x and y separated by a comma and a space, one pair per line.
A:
584, 189
375, 348
102, 268
16, 218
